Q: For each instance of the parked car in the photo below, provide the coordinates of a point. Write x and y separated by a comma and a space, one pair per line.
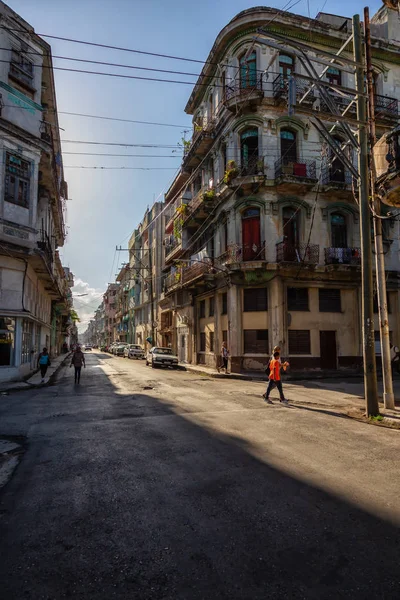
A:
161, 357
133, 351
112, 347
88, 347
119, 349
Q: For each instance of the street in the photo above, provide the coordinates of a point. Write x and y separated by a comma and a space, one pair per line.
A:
144, 483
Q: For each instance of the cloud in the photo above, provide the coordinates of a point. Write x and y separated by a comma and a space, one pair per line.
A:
86, 305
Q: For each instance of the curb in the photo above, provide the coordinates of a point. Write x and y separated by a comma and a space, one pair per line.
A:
287, 377
25, 385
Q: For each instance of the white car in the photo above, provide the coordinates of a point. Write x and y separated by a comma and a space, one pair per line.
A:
88, 347
133, 351
161, 357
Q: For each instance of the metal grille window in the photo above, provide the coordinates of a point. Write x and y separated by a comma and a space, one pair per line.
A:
21, 68
330, 301
211, 341
17, 180
375, 298
211, 307
255, 341
225, 335
202, 342
299, 341
255, 299
27, 330
297, 298
202, 309
224, 304
7, 330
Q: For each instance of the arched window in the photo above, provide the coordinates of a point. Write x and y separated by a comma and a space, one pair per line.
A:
286, 65
251, 234
334, 76
288, 146
248, 70
249, 151
338, 230
291, 233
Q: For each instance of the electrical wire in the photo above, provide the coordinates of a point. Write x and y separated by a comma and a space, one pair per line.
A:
101, 168
122, 155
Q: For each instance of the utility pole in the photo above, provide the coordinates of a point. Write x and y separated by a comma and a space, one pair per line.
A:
388, 395
370, 380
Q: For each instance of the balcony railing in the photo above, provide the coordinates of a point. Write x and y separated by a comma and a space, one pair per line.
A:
237, 253
44, 244
297, 170
184, 275
280, 88
341, 103
297, 253
336, 176
244, 88
342, 256
172, 246
386, 107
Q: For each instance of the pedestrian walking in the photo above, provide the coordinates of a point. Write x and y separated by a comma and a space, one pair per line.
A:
78, 359
275, 366
224, 358
43, 363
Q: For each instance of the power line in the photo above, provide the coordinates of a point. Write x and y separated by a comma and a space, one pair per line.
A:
121, 168
123, 155
127, 145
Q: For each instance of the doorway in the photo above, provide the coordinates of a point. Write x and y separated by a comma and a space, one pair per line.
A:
327, 340
251, 234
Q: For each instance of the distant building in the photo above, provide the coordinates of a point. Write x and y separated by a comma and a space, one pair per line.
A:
35, 297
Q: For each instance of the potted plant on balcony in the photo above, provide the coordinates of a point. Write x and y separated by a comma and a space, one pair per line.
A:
209, 195
231, 172
260, 166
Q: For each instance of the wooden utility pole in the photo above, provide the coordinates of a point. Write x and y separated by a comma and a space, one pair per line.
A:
388, 395
370, 380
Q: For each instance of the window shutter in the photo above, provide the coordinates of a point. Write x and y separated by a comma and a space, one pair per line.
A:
299, 341
330, 300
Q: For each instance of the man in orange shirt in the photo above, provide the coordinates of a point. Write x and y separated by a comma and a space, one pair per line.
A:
275, 366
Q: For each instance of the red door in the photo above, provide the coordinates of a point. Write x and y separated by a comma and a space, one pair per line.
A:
251, 238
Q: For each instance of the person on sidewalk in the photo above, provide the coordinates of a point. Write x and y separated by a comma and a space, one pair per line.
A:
275, 367
43, 363
224, 358
78, 359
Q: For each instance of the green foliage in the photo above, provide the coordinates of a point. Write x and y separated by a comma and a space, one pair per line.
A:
209, 195
74, 316
231, 172
376, 418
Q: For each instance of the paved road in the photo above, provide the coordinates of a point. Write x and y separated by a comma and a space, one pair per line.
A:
150, 484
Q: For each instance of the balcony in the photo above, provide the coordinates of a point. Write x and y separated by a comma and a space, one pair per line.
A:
386, 109
342, 256
200, 143
241, 253
341, 102
241, 93
299, 172
173, 249
186, 275
281, 85
336, 177
297, 253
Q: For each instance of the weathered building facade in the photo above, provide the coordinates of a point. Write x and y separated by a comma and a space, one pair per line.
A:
35, 295
262, 243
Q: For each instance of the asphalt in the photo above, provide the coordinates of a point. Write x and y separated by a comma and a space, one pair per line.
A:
152, 484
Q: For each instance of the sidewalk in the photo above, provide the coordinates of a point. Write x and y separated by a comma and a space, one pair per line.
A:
35, 380
260, 376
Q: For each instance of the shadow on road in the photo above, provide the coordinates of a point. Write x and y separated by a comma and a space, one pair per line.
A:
121, 497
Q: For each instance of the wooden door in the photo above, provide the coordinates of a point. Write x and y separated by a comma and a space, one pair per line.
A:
327, 340
251, 238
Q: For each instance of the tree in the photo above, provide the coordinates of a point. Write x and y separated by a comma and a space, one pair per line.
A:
74, 316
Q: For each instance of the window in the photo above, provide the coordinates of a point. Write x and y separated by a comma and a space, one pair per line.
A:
202, 309
21, 68
299, 341
211, 341
224, 245
202, 342
7, 330
375, 299
334, 76
255, 341
225, 335
338, 231
224, 157
27, 330
286, 65
329, 300
288, 147
337, 172
211, 307
223, 83
224, 304
17, 180
255, 299
297, 298
249, 151
248, 70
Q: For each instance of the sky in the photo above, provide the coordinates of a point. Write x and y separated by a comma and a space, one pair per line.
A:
106, 205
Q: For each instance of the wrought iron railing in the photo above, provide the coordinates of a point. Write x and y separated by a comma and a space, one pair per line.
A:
342, 256
236, 253
44, 244
300, 169
385, 106
244, 87
336, 175
299, 253
280, 88
172, 246
341, 103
